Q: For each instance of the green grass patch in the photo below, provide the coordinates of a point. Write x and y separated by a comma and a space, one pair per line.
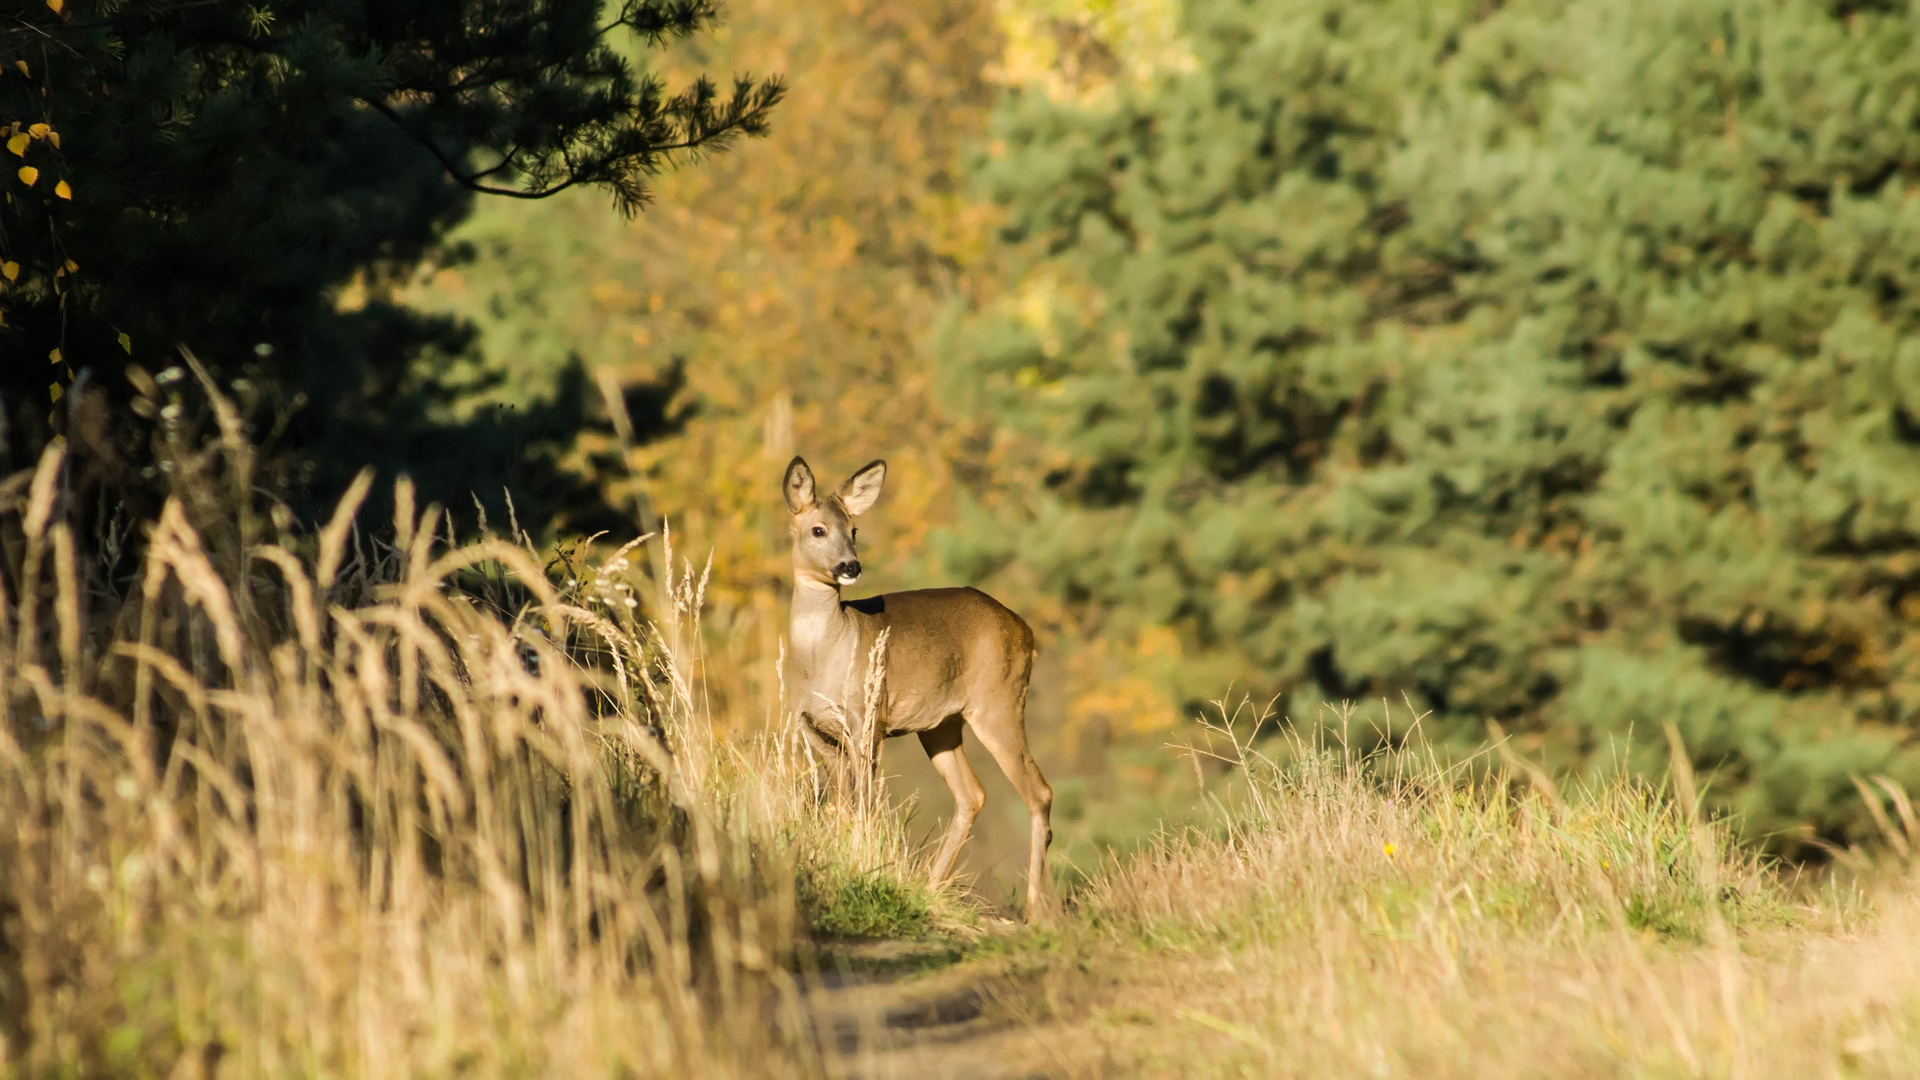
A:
839, 902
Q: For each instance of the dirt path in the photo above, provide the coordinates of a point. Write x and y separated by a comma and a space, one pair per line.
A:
896, 1010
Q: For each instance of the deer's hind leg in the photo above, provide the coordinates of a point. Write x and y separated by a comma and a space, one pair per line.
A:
1002, 729
942, 745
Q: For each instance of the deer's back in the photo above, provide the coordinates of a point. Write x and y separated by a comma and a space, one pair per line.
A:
948, 651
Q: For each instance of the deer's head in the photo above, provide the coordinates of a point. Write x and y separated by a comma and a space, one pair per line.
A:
822, 527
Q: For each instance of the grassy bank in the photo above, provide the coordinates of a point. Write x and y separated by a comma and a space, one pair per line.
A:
1393, 916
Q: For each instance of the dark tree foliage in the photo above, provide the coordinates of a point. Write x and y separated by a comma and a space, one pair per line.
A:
245, 179
1554, 362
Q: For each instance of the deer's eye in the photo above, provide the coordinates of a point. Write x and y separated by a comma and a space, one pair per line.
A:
819, 530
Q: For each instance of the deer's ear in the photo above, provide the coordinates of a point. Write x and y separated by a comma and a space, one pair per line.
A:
799, 485
863, 487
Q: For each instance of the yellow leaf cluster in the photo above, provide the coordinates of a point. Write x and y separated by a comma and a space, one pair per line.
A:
1117, 689
1080, 50
19, 137
796, 276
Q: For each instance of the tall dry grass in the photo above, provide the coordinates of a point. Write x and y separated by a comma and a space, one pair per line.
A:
316, 804
1392, 915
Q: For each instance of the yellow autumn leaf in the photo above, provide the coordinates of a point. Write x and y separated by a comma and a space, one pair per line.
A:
54, 138
126, 343
18, 144
38, 131
61, 189
72, 266
22, 65
54, 356
54, 392
56, 5
28, 174
10, 269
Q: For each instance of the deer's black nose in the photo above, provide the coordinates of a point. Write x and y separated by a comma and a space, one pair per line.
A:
847, 571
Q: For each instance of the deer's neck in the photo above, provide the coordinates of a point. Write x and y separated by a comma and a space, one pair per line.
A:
820, 628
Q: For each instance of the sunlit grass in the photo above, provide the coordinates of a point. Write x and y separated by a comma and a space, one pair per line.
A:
321, 803
1394, 914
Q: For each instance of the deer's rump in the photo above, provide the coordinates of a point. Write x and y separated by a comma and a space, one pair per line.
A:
949, 651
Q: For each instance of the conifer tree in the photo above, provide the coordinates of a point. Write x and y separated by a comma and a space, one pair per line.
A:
243, 179
1551, 364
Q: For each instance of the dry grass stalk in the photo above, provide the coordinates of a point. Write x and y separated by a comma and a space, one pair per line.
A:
305, 820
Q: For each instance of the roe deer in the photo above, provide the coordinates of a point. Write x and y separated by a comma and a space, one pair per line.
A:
954, 660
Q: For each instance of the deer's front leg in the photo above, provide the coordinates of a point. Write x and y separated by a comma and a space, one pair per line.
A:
830, 753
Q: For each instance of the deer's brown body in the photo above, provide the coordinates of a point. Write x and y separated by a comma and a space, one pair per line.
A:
952, 661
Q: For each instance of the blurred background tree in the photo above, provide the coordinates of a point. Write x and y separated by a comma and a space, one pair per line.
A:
1550, 363
249, 180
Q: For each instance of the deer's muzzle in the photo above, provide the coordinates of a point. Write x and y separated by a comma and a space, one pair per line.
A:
847, 573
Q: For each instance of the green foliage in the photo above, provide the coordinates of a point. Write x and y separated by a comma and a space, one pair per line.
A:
252, 180
1552, 362
843, 902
